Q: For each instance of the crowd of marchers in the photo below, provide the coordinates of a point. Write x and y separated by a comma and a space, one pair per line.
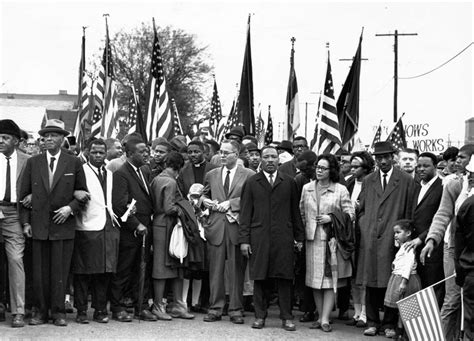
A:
173, 228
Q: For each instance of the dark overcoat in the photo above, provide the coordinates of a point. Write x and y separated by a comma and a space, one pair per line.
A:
270, 222
378, 211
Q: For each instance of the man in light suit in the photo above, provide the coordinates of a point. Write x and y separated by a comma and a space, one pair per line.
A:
52, 178
224, 185
12, 165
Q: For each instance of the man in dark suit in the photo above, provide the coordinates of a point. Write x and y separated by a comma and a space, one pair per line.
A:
427, 199
52, 178
270, 226
223, 185
386, 196
12, 165
131, 181
300, 145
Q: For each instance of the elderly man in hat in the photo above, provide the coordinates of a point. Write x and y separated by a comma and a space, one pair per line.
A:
386, 196
12, 164
52, 178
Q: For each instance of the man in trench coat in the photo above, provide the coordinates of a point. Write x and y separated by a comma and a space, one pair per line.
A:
270, 223
386, 196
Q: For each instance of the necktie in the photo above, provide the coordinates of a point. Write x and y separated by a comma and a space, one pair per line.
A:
384, 181
271, 180
227, 183
51, 164
8, 189
101, 178
140, 176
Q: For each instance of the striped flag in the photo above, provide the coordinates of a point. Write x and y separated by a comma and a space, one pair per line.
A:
329, 136
110, 105
82, 97
177, 128
314, 142
397, 136
377, 136
135, 117
260, 128
216, 112
420, 315
96, 121
292, 102
269, 132
232, 120
158, 118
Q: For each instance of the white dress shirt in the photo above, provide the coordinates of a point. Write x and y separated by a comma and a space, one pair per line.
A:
49, 156
267, 175
425, 186
3, 175
231, 175
389, 174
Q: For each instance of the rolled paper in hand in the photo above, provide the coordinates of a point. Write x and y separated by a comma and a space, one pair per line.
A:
127, 213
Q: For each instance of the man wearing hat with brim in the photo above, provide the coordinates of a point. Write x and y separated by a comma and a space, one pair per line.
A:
12, 164
386, 196
254, 156
236, 133
52, 178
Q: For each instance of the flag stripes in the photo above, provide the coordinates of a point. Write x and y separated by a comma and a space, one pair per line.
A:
177, 128
397, 136
82, 98
269, 132
216, 112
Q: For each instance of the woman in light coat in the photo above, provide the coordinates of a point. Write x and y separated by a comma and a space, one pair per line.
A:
321, 198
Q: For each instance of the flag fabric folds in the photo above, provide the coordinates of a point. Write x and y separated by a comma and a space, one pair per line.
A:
420, 315
397, 136
292, 101
269, 132
232, 120
110, 105
216, 112
260, 128
82, 98
177, 128
96, 121
244, 108
135, 116
314, 142
329, 136
348, 101
158, 118
377, 136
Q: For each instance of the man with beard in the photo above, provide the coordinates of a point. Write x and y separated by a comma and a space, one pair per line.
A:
270, 226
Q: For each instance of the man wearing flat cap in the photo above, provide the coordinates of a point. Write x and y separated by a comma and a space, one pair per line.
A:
386, 196
52, 178
236, 134
12, 164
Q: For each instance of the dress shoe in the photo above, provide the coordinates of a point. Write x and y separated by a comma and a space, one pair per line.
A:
159, 310
180, 310
68, 307
60, 322
288, 325
101, 317
237, 319
361, 324
351, 322
315, 325
258, 324
210, 317
37, 319
307, 317
81, 317
18, 321
122, 316
326, 327
146, 315
371, 331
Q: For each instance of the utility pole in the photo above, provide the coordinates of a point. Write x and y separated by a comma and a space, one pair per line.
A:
395, 77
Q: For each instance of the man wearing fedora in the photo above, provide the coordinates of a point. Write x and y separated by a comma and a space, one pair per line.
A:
52, 178
386, 196
12, 164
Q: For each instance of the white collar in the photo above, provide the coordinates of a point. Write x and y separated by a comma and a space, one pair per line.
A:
429, 183
49, 156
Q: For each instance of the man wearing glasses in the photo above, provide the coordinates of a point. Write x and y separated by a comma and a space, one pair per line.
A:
300, 145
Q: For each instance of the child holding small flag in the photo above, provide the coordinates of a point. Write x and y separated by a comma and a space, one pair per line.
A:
404, 280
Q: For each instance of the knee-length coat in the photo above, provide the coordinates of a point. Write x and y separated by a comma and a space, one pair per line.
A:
270, 222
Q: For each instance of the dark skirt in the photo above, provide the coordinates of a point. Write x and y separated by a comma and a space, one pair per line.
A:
160, 253
392, 294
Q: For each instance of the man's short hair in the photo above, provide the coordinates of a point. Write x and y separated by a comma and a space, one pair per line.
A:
467, 148
450, 153
197, 143
214, 145
131, 145
128, 137
174, 160
110, 142
234, 144
302, 138
433, 157
168, 146
99, 142
88, 142
410, 151
268, 147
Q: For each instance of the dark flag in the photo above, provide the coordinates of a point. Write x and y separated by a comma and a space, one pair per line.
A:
216, 112
135, 116
314, 141
177, 128
82, 97
348, 101
260, 129
329, 136
269, 132
377, 136
292, 102
245, 114
397, 136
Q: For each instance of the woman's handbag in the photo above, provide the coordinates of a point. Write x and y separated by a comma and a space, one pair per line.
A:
178, 244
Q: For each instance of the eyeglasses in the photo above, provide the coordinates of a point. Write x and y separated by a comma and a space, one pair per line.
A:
225, 153
321, 168
356, 166
300, 147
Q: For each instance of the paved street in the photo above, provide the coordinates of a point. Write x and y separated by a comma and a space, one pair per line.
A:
180, 329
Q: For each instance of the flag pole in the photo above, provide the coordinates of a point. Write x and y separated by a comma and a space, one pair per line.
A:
432, 285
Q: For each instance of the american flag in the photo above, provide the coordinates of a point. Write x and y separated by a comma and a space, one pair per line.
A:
158, 118
260, 127
177, 128
397, 136
420, 315
82, 97
314, 141
96, 121
232, 120
330, 137
110, 105
216, 112
269, 132
292, 101
377, 136
135, 117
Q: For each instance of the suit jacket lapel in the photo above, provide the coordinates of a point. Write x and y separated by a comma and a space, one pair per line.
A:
378, 184
60, 168
237, 176
43, 166
392, 184
262, 179
428, 192
278, 180
20, 165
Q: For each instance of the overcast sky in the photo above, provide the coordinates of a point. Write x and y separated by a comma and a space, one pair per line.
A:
40, 45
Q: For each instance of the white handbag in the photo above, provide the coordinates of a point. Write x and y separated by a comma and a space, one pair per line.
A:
178, 243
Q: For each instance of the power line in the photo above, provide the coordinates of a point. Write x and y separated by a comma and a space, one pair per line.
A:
436, 68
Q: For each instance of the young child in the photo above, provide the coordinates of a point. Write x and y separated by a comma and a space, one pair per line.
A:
404, 280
